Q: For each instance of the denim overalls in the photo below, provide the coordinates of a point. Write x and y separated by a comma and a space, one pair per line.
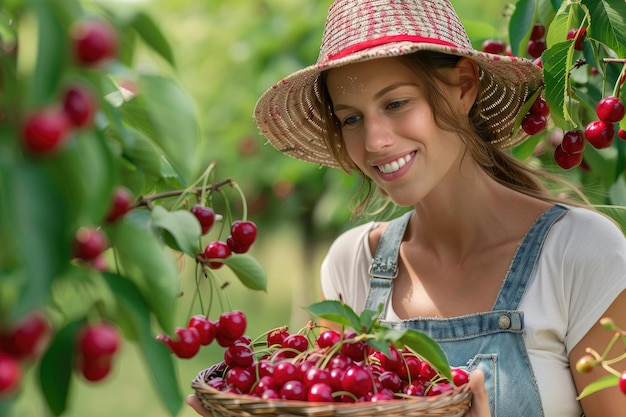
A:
491, 341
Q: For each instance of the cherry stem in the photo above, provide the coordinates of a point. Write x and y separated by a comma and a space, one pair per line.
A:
147, 201
622, 74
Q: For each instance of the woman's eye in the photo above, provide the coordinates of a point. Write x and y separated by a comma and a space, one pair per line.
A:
350, 120
395, 104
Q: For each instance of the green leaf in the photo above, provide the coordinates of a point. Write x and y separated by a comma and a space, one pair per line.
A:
600, 384
617, 192
135, 310
337, 312
427, 348
556, 64
248, 270
181, 225
521, 25
608, 24
152, 36
56, 367
165, 113
150, 265
369, 318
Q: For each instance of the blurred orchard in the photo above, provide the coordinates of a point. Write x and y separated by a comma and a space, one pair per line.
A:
139, 204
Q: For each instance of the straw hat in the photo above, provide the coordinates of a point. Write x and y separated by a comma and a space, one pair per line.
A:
288, 113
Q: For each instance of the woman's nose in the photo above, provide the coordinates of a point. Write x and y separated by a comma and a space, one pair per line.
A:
378, 135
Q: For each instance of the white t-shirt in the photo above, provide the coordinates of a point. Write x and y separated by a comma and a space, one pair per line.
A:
581, 270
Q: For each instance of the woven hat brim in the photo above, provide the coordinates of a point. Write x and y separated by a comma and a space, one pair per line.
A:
288, 115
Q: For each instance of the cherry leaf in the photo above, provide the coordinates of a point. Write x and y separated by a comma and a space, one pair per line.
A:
427, 348
248, 270
337, 312
600, 384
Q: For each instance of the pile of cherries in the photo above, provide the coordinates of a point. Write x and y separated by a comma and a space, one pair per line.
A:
323, 365
24, 340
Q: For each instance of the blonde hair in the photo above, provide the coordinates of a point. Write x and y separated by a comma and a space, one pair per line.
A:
474, 131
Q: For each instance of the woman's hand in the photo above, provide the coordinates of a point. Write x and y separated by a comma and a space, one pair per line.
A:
195, 403
480, 398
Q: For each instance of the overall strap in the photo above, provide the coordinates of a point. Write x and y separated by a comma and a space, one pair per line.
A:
384, 266
525, 261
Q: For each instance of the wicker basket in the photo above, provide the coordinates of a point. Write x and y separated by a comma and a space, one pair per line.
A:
450, 404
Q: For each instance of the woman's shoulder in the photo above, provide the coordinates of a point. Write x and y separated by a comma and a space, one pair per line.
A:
583, 222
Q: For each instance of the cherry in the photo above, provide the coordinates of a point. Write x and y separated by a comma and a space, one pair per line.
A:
26, 337
411, 368
45, 131
122, 203
328, 338
242, 236
297, 342
381, 396
206, 217
573, 141
206, 328
439, 388
216, 250
621, 133
293, 390
96, 370
459, 376
89, 242
231, 325
538, 32
414, 389
357, 381
540, 106
567, 160
94, 42
390, 380
533, 123
394, 362
264, 383
535, 48
186, 344
320, 392
239, 355
610, 109
493, 46
622, 382
277, 336
240, 378
315, 375
10, 374
579, 36
79, 105
427, 372
98, 340
600, 134
285, 371
586, 364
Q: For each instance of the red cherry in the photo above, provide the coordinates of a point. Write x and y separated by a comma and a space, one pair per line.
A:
538, 62
381, 396
390, 380
236, 247
439, 388
427, 372
411, 369
622, 382
89, 243
610, 109
277, 336
573, 141
285, 371
293, 390
240, 378
297, 342
320, 392
98, 340
538, 32
540, 106
231, 325
205, 215
600, 135
186, 344
206, 328
94, 41
459, 376
621, 133
216, 250
26, 337
357, 381
45, 131
10, 374
535, 48
393, 362
243, 232
579, 35
95, 369
122, 203
533, 123
239, 355
493, 46
328, 338
79, 105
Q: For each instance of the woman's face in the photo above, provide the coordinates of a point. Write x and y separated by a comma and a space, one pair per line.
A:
389, 130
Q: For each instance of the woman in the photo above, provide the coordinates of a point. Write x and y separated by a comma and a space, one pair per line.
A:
509, 279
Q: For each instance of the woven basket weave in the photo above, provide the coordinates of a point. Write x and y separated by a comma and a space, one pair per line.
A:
450, 404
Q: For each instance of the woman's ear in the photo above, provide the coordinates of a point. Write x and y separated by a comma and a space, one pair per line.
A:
468, 81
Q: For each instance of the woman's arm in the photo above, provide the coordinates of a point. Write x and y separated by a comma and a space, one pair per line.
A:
195, 403
608, 402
